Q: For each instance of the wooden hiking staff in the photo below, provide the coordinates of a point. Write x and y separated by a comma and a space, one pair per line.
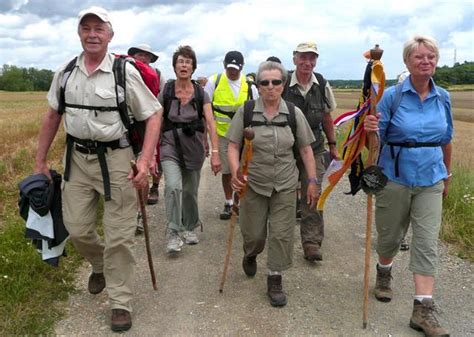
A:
141, 201
247, 153
377, 78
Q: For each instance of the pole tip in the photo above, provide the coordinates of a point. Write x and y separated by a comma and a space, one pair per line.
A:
364, 325
220, 290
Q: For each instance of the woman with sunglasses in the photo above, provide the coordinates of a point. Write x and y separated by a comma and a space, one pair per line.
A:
269, 204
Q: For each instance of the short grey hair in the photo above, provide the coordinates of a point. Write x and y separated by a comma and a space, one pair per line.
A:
270, 65
416, 42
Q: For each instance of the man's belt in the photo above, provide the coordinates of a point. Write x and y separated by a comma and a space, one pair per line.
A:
88, 146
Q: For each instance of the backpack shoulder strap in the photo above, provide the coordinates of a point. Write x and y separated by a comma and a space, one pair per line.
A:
168, 96
249, 90
248, 113
199, 98
291, 117
62, 90
322, 87
119, 71
397, 98
218, 79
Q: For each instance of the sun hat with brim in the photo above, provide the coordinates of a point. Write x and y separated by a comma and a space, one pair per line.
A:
143, 48
306, 47
97, 11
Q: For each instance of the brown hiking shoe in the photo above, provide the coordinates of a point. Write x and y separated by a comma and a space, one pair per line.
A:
249, 264
312, 252
424, 319
383, 291
96, 283
121, 320
275, 291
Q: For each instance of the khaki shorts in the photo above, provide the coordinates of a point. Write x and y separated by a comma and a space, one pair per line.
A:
223, 145
398, 206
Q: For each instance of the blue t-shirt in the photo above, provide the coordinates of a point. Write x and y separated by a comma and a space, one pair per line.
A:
428, 121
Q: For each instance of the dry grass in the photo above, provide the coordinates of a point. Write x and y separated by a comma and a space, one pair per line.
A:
463, 107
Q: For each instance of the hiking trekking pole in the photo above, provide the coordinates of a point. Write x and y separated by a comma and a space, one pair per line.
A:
141, 202
247, 153
372, 175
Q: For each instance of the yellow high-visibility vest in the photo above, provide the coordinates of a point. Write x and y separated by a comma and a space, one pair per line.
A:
225, 104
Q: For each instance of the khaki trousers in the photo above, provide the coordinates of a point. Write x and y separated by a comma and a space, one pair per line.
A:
80, 199
312, 221
273, 216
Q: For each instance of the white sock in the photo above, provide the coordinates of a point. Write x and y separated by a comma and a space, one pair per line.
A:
385, 266
229, 202
271, 272
420, 298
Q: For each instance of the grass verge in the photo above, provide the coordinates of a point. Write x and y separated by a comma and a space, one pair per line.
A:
458, 213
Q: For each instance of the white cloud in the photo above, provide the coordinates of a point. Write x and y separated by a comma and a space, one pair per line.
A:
343, 30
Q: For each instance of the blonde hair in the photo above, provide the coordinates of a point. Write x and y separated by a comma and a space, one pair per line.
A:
415, 42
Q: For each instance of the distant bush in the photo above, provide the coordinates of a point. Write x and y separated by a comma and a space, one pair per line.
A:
13, 78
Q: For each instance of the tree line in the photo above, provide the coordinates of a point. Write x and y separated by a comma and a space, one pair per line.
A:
13, 78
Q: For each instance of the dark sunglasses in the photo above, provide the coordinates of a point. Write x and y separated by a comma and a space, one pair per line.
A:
267, 82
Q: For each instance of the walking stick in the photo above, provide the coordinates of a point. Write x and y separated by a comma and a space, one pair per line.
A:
244, 168
141, 201
371, 174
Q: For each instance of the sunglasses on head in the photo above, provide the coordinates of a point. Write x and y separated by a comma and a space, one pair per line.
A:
267, 82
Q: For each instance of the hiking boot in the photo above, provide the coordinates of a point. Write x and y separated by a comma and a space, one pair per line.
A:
139, 230
424, 319
174, 242
226, 213
312, 252
190, 238
404, 245
96, 283
275, 291
383, 291
153, 196
121, 320
249, 264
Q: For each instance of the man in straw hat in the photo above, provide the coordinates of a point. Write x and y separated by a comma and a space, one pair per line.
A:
310, 92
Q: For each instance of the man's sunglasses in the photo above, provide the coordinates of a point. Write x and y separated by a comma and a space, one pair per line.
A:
267, 82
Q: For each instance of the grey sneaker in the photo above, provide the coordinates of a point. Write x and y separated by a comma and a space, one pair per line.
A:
174, 242
383, 291
190, 238
139, 230
424, 319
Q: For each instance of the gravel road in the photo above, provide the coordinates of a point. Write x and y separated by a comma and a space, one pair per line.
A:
324, 299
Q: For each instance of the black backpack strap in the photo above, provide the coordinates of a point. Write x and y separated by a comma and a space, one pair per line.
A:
168, 96
248, 113
199, 99
118, 69
292, 124
250, 91
322, 87
62, 90
218, 79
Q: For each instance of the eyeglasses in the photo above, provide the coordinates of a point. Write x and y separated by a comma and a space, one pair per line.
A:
265, 83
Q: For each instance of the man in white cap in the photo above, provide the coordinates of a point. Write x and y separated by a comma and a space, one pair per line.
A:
228, 91
310, 92
95, 130
143, 53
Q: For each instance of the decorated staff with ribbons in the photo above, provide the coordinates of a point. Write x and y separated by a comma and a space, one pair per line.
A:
269, 205
416, 128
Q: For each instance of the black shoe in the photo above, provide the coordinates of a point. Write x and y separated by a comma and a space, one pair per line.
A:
404, 245
153, 196
249, 264
96, 283
226, 213
121, 320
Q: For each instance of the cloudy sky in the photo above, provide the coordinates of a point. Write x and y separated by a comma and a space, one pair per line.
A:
43, 33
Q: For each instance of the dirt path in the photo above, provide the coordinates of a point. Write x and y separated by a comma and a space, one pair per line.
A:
324, 299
